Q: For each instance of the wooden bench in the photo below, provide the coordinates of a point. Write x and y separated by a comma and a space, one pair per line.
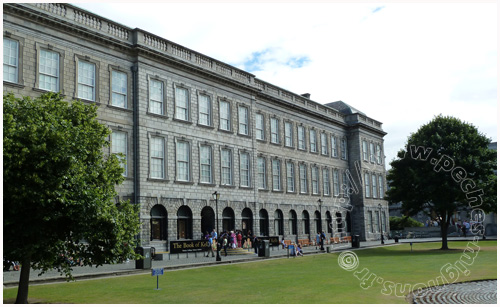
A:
335, 240
287, 242
346, 239
304, 242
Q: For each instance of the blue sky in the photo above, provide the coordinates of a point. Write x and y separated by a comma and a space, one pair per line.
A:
399, 63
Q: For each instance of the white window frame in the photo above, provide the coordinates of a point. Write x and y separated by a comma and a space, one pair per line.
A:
206, 164
182, 103
226, 167
290, 177
276, 174
10, 65
379, 154
182, 161
243, 120
374, 186
224, 115
315, 180
334, 146
245, 180
261, 173
204, 110
275, 130
81, 83
313, 141
324, 144
336, 182
367, 185
49, 75
303, 179
343, 148
288, 134
117, 139
365, 150
119, 90
372, 152
157, 155
381, 187
260, 133
154, 84
326, 182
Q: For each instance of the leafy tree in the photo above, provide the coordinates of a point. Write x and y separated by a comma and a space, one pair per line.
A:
446, 167
400, 222
59, 188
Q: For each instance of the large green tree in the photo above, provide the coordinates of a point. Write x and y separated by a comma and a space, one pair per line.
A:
59, 188
445, 167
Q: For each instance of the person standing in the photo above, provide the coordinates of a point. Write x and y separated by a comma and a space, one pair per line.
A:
322, 240
239, 237
317, 239
255, 244
225, 242
210, 246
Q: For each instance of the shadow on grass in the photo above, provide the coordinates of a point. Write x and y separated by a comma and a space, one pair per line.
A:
383, 251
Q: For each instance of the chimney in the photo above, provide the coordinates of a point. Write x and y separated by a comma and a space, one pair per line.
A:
307, 95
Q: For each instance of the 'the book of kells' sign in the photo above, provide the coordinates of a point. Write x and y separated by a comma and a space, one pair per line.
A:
188, 246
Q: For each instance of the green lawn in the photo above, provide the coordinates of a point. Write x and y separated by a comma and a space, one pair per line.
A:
310, 279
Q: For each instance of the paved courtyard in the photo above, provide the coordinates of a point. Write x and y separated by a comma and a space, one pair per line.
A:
477, 292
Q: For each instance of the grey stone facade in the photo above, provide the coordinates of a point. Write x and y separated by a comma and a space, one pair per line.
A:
179, 195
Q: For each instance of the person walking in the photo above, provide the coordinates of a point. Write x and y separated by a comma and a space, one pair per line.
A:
255, 244
210, 245
322, 240
317, 239
239, 237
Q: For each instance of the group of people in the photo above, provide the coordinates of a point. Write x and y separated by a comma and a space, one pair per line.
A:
232, 239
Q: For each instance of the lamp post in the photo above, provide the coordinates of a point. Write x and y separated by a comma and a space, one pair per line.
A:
216, 196
320, 224
380, 223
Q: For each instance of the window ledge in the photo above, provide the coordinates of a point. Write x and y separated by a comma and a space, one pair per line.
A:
119, 108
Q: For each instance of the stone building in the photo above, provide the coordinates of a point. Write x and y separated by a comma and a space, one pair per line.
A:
190, 125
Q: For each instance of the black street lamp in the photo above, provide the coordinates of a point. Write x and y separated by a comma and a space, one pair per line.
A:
380, 223
216, 196
320, 224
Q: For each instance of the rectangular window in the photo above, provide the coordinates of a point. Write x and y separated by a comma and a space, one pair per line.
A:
288, 134
204, 110
118, 89
261, 173
367, 185
10, 60
275, 131
335, 151
326, 182
374, 186
206, 164
383, 222
365, 151
345, 183
156, 97
119, 146
182, 161
225, 115
226, 167
276, 170
370, 221
181, 103
301, 135
315, 180
379, 155
49, 71
244, 170
312, 140
372, 153
86, 80
243, 120
259, 126
343, 149
157, 158
290, 177
324, 144
376, 224
380, 187
303, 178
336, 183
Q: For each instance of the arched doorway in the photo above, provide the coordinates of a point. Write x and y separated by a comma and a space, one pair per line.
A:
158, 223
228, 219
348, 222
292, 222
264, 222
329, 221
305, 222
207, 220
317, 221
246, 221
278, 223
340, 225
184, 223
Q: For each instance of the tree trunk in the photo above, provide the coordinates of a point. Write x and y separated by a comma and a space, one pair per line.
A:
444, 232
24, 280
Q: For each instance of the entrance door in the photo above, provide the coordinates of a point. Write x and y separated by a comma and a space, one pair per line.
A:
181, 224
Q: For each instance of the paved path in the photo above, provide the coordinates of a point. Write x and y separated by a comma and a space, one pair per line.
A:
181, 261
476, 292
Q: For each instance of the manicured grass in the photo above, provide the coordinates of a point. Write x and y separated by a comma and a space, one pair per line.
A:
310, 279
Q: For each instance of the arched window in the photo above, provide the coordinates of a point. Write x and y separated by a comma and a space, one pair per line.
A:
340, 226
207, 220
278, 223
158, 223
292, 222
264, 222
228, 219
246, 221
305, 222
184, 223
317, 221
329, 221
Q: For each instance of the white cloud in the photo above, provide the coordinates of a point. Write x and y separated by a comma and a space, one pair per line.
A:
400, 63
